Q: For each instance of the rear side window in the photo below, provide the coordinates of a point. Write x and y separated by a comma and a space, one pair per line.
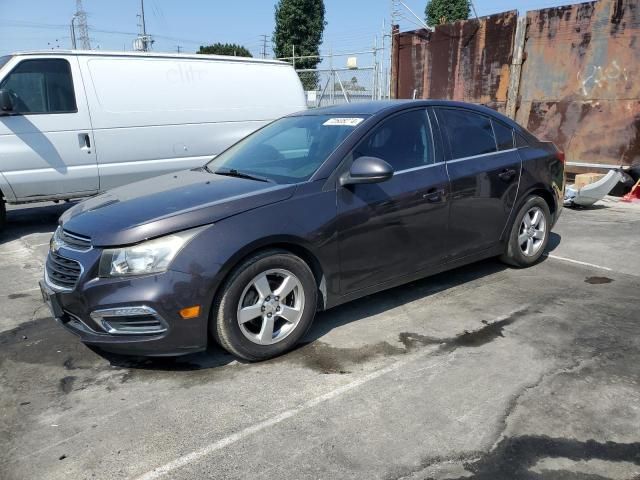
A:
520, 141
403, 141
504, 135
468, 133
41, 86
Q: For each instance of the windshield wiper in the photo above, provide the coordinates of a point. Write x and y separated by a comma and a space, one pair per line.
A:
232, 172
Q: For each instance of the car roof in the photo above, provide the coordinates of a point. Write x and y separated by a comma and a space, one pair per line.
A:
380, 107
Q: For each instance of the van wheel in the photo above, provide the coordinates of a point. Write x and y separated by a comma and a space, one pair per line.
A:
266, 306
529, 234
3, 213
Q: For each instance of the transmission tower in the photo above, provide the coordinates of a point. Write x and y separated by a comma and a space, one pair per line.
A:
82, 27
265, 40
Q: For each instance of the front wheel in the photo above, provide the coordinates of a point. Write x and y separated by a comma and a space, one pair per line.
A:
3, 213
266, 306
529, 234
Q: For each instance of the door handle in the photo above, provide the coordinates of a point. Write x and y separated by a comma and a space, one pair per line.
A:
434, 195
85, 142
507, 174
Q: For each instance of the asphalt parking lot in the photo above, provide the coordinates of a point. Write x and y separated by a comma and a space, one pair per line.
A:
485, 372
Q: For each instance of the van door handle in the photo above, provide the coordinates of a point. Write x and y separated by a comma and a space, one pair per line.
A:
85, 142
507, 174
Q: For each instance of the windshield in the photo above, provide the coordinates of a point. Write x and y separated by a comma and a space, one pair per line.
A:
288, 150
4, 60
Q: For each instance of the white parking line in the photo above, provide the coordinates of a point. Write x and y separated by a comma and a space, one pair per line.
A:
586, 264
238, 436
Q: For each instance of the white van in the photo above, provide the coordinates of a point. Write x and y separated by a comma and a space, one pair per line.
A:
75, 123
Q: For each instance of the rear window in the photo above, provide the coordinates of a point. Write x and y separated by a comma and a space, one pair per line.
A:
469, 134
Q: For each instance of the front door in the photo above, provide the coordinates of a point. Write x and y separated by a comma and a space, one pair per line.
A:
46, 143
394, 228
484, 169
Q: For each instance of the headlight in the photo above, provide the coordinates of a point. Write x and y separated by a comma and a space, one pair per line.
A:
153, 256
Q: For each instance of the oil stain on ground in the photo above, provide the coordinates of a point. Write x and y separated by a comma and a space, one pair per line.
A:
326, 359
597, 280
513, 458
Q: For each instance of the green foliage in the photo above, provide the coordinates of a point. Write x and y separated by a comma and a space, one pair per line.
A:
438, 12
300, 23
230, 49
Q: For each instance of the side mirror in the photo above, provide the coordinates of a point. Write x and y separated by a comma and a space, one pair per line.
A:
367, 170
6, 102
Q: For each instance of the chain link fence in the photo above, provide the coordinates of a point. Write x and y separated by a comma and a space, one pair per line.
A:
340, 85
330, 85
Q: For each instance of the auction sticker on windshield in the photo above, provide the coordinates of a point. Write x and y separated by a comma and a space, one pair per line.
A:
344, 122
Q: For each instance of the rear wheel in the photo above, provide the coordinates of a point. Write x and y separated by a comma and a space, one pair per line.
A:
266, 306
529, 234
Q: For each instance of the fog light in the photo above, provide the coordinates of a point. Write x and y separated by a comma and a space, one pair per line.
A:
190, 312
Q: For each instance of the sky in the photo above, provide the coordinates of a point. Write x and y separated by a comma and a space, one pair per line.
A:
353, 25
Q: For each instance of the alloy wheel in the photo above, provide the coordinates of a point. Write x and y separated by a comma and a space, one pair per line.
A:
533, 231
270, 306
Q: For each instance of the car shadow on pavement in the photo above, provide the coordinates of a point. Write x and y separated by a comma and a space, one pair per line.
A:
26, 220
390, 299
554, 242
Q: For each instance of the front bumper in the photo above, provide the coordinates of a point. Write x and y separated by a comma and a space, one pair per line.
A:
165, 294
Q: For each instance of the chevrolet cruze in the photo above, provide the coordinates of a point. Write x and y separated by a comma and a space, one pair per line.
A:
311, 211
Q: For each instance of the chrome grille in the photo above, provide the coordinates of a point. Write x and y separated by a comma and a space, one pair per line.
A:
74, 241
62, 272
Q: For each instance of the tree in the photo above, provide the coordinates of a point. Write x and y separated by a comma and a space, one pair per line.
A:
300, 23
438, 12
230, 49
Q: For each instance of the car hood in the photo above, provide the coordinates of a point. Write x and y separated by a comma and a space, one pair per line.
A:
167, 204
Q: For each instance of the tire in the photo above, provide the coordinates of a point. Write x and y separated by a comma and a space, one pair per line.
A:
525, 245
3, 213
247, 306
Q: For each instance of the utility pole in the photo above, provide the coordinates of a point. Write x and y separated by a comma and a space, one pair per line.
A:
178, 48
144, 41
80, 18
73, 33
264, 45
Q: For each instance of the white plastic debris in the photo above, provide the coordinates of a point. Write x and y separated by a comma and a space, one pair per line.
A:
590, 194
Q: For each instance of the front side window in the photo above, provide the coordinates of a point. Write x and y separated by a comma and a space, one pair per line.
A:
4, 60
289, 150
468, 133
403, 141
41, 86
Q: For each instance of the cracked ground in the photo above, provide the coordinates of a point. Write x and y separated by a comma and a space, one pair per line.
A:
484, 372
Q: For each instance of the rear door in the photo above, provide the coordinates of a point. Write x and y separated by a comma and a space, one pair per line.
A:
390, 229
484, 169
46, 146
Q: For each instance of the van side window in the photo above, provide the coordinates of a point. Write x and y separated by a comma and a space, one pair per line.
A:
403, 141
41, 86
504, 135
468, 133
